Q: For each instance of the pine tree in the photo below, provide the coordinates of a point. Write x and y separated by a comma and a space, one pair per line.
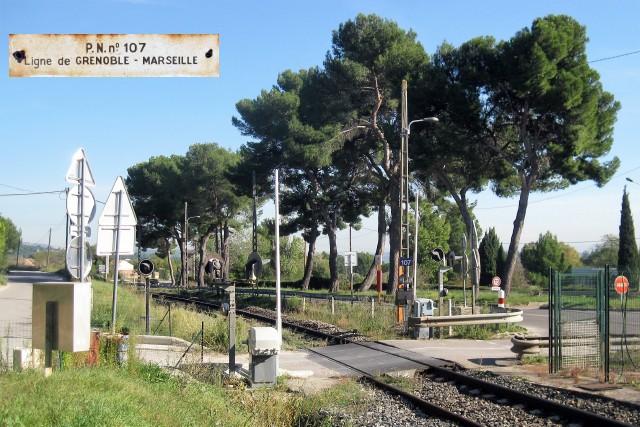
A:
628, 249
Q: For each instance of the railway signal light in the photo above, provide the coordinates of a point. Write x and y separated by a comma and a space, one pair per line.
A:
437, 254
146, 267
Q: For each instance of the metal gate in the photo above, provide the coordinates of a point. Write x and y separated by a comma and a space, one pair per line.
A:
593, 328
578, 322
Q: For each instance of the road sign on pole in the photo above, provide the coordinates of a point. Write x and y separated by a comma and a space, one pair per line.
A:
621, 284
351, 259
117, 232
117, 223
81, 209
109, 215
74, 203
79, 169
78, 260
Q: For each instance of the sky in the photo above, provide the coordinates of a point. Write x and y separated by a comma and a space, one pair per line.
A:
120, 122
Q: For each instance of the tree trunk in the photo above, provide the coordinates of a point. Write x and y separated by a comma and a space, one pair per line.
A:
225, 252
395, 231
518, 225
308, 267
463, 207
202, 252
333, 258
382, 232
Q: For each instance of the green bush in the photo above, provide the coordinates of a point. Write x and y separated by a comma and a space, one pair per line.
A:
293, 304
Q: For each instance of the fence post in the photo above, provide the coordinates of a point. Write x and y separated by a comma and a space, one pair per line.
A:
333, 306
606, 324
450, 313
373, 308
202, 343
304, 304
146, 305
170, 333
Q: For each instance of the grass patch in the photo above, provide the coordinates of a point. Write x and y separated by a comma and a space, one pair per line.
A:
318, 410
107, 396
535, 360
407, 384
354, 317
487, 332
186, 322
145, 395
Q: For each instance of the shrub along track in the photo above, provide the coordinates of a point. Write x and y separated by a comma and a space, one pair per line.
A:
461, 397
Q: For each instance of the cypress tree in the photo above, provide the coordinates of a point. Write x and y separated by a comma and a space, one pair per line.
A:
489, 256
628, 249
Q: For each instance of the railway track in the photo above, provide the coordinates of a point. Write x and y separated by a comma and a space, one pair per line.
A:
461, 398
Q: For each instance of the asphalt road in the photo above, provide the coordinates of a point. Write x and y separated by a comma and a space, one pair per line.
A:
15, 297
15, 310
536, 320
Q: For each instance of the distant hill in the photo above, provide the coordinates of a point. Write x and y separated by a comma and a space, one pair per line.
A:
28, 249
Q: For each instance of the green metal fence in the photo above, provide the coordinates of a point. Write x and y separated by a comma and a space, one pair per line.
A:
624, 332
593, 330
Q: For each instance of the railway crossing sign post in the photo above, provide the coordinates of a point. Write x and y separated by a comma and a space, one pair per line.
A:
117, 233
81, 210
61, 311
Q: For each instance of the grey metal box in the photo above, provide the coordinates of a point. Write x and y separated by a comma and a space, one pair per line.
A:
72, 328
263, 369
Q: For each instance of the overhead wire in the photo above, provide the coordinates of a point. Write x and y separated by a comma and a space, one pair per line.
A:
558, 195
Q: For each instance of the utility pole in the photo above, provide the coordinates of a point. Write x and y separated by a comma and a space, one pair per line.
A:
185, 253
49, 249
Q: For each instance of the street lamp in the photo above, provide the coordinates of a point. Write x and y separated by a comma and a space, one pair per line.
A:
630, 180
426, 119
405, 233
407, 131
404, 189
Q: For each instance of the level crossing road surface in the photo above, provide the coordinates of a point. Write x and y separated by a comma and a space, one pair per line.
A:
375, 358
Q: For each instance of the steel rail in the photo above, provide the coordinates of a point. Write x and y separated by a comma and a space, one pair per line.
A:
588, 417
575, 414
423, 404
